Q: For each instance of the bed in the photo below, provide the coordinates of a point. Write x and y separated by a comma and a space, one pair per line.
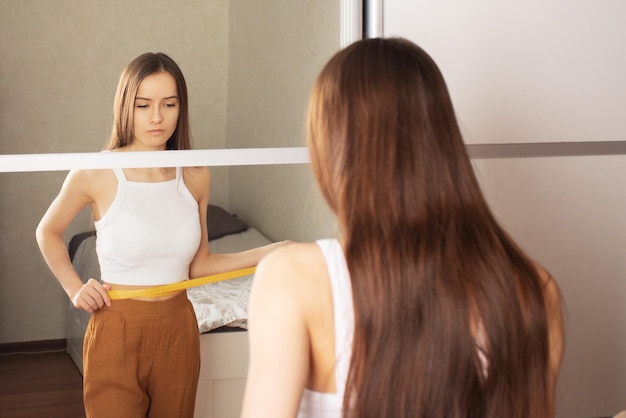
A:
221, 311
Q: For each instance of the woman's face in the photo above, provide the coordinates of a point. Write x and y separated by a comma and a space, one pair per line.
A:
155, 112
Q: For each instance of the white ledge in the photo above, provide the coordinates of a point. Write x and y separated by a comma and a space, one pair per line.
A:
96, 160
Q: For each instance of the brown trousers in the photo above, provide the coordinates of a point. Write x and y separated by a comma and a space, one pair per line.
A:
142, 359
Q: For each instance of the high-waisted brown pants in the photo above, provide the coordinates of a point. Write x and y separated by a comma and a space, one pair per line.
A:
142, 359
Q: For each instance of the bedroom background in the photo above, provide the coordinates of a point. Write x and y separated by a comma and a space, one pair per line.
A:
249, 66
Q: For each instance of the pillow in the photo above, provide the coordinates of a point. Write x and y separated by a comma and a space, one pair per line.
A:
75, 242
221, 223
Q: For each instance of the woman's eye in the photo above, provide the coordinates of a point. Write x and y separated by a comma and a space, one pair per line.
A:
170, 104
142, 106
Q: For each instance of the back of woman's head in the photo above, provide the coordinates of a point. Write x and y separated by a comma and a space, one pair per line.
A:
429, 264
124, 103
384, 140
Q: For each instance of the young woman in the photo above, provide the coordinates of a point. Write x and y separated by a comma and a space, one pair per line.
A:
425, 307
141, 356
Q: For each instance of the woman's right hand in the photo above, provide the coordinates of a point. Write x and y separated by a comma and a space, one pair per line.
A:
92, 296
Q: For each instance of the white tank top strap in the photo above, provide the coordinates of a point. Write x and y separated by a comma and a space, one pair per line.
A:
119, 173
180, 181
342, 306
182, 186
329, 405
117, 200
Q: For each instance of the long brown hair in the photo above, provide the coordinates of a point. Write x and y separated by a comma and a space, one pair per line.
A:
124, 103
429, 264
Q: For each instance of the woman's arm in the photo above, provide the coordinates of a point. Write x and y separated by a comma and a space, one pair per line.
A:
198, 180
74, 196
554, 311
554, 317
279, 339
206, 263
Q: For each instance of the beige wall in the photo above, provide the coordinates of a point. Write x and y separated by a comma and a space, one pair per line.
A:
60, 64
276, 49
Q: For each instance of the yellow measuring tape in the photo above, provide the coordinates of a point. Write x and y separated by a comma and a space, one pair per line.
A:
117, 294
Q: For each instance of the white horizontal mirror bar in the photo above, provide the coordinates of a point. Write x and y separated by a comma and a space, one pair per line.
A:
216, 157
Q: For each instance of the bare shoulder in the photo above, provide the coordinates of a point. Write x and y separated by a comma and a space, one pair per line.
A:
197, 180
305, 258
297, 268
554, 312
91, 175
80, 176
88, 180
197, 174
554, 306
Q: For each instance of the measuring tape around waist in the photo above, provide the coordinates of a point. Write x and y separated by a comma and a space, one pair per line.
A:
117, 294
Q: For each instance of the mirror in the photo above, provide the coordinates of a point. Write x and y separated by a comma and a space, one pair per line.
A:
249, 66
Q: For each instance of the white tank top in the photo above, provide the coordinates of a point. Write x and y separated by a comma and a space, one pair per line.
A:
150, 233
329, 405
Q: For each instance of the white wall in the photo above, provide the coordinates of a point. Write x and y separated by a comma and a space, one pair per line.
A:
565, 212
537, 72
532, 71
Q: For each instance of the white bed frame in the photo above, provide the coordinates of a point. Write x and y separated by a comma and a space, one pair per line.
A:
222, 374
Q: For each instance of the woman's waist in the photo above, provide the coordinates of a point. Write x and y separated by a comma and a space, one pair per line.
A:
144, 291
149, 308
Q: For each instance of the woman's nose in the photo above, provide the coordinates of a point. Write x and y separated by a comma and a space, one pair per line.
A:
156, 116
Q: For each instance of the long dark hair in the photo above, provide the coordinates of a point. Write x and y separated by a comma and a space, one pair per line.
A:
124, 103
432, 271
